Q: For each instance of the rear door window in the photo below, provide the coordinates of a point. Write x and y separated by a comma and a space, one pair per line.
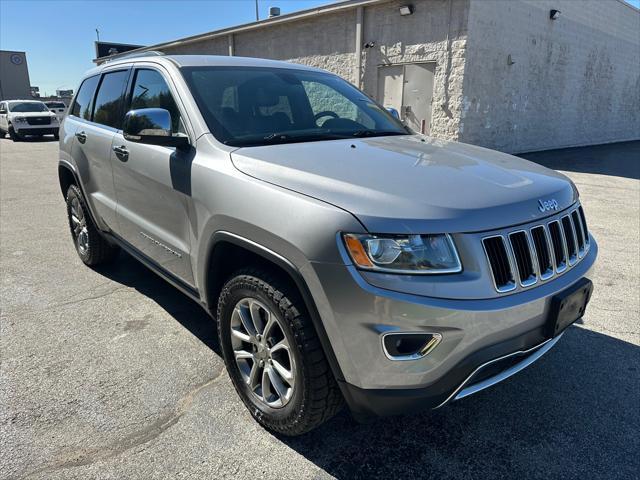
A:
82, 104
109, 100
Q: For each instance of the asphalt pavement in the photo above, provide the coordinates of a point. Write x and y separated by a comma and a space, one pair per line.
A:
112, 374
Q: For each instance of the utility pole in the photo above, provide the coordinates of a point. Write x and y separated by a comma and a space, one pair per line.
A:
257, 12
98, 33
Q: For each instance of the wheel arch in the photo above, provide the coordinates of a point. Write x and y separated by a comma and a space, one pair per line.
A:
223, 252
67, 177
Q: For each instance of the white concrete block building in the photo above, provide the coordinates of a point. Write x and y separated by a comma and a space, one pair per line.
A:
514, 75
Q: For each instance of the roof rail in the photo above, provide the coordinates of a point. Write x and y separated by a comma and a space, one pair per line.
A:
146, 53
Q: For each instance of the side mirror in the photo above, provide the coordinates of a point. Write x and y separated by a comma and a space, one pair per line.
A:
393, 112
151, 126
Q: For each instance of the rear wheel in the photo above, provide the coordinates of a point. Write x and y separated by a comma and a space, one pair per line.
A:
93, 249
273, 355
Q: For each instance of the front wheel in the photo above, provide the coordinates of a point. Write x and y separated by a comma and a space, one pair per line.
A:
13, 135
93, 249
273, 355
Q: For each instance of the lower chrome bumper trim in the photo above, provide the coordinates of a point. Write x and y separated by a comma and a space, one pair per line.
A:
538, 351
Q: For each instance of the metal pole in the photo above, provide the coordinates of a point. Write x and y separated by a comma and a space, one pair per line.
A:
257, 12
98, 33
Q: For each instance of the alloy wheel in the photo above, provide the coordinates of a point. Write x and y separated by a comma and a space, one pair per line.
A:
262, 352
79, 226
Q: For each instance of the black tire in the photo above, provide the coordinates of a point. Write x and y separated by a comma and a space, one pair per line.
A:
13, 135
316, 396
93, 249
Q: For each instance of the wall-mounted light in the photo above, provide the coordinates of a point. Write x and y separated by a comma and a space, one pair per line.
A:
406, 10
554, 14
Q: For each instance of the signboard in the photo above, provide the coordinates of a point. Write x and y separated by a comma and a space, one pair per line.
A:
104, 49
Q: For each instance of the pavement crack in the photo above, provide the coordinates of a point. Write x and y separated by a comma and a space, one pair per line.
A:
86, 456
70, 302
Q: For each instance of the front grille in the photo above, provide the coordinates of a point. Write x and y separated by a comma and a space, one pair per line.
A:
543, 250
522, 253
570, 239
38, 120
539, 253
499, 262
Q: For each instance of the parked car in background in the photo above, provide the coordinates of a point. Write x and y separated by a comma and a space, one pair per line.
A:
21, 118
344, 257
59, 108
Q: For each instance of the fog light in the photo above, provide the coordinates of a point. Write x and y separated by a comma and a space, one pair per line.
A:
409, 345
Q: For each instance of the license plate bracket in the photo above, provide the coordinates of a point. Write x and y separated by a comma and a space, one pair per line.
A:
568, 306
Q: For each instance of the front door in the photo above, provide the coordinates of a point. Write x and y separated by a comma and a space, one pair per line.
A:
409, 89
152, 184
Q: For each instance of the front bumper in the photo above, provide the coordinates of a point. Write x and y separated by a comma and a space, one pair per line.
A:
28, 130
474, 332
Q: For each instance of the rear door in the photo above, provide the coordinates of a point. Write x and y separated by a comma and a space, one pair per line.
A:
94, 119
153, 182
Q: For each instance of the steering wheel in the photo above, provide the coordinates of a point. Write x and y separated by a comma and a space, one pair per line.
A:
326, 113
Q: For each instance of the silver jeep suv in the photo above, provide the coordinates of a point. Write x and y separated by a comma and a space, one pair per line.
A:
345, 258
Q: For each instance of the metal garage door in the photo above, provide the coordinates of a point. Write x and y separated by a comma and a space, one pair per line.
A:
409, 89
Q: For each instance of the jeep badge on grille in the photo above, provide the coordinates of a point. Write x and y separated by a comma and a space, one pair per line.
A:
546, 205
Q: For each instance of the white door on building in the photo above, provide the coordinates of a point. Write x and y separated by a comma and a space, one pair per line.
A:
409, 89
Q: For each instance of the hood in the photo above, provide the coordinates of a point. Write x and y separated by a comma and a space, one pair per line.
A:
48, 113
411, 184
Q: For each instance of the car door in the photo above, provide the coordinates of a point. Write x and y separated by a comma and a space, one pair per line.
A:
95, 117
152, 182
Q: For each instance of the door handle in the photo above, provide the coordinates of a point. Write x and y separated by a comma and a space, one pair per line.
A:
122, 153
81, 136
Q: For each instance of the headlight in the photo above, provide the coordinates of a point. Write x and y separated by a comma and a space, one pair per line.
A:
412, 254
20, 120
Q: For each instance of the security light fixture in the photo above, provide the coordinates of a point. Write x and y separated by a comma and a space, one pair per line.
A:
554, 14
406, 10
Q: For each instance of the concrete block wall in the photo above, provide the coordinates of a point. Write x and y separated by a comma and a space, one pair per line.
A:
573, 81
435, 32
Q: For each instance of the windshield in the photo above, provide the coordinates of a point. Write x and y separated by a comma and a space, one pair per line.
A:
250, 106
27, 107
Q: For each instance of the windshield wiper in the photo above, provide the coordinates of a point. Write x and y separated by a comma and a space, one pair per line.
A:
376, 133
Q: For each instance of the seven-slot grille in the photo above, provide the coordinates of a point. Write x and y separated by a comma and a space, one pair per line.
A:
527, 256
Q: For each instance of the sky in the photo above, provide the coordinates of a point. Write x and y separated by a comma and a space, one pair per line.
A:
58, 35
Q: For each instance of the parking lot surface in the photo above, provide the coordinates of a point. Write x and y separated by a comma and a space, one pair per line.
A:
113, 374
